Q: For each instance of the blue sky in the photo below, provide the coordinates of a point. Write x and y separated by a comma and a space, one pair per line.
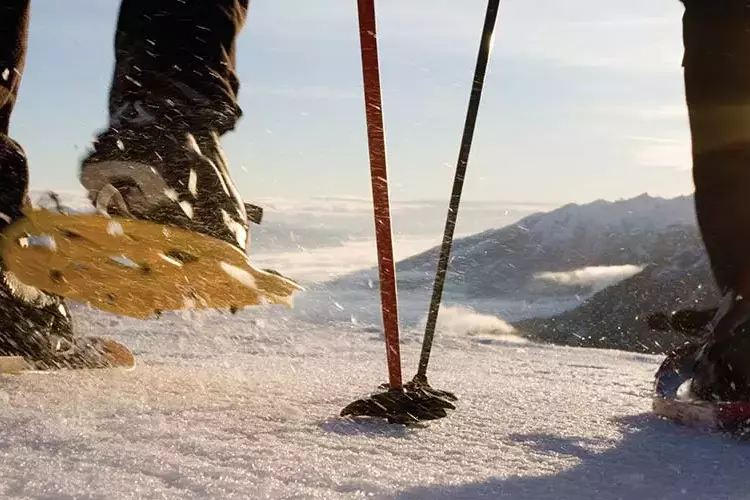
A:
584, 98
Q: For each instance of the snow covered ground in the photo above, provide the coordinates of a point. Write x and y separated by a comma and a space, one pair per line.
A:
246, 407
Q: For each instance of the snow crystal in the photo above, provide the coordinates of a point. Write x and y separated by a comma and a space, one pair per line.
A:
114, 228
187, 207
123, 260
38, 241
171, 194
239, 274
170, 260
193, 182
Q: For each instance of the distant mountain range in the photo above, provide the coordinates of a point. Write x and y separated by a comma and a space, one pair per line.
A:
623, 260
512, 260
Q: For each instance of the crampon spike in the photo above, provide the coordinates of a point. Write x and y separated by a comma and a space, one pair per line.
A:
398, 403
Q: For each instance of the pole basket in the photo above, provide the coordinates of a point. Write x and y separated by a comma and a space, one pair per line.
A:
407, 405
419, 382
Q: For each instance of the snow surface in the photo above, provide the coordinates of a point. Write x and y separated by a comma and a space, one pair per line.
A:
246, 407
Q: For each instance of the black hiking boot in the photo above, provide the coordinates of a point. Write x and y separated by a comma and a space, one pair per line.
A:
35, 325
153, 163
722, 366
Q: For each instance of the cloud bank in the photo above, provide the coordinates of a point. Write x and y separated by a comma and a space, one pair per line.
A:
597, 277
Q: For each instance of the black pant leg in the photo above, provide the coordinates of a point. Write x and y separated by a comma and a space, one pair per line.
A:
716, 36
14, 27
180, 55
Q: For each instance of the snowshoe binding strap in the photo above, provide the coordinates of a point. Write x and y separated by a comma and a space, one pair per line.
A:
254, 213
109, 200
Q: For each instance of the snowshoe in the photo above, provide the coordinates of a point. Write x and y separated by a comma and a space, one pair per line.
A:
135, 268
704, 383
674, 399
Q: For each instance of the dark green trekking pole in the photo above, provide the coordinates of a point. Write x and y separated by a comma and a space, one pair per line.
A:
420, 379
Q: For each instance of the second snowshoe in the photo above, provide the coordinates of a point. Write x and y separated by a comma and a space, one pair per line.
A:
704, 383
674, 400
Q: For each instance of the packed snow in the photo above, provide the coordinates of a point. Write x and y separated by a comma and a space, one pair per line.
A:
246, 406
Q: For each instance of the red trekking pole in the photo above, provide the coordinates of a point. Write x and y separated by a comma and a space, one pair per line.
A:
397, 404
380, 193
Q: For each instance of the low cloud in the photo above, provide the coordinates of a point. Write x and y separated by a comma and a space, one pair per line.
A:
597, 277
73, 199
322, 264
343, 206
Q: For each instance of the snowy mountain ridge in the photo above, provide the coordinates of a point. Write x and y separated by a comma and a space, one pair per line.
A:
642, 213
505, 261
